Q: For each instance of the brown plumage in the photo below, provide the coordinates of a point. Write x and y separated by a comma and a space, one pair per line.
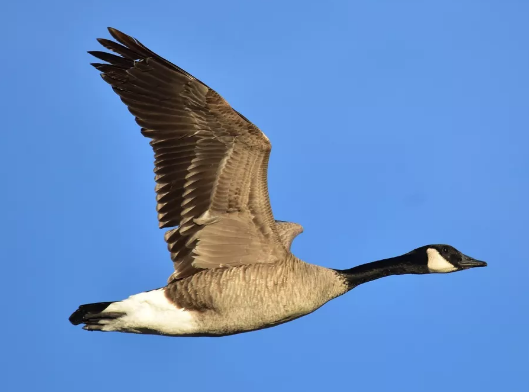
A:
210, 162
234, 271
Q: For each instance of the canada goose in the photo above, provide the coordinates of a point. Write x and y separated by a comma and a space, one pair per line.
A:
234, 271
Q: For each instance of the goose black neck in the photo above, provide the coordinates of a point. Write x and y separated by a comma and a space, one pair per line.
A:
400, 265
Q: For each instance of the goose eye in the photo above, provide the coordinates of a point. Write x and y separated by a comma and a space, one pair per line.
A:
445, 249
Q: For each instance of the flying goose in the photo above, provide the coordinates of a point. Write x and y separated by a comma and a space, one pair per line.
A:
233, 269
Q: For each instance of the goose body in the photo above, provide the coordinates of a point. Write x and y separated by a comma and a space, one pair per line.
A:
226, 301
234, 271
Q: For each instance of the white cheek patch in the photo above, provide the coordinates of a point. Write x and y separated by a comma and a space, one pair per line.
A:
437, 263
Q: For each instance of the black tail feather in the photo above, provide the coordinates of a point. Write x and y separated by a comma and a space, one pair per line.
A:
86, 313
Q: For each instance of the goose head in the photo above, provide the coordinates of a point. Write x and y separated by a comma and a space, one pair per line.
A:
440, 258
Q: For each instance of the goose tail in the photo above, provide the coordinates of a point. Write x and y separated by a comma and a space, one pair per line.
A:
94, 316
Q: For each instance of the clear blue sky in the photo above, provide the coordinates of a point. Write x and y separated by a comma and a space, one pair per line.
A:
394, 124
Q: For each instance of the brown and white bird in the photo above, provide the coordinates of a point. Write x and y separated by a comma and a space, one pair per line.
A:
234, 271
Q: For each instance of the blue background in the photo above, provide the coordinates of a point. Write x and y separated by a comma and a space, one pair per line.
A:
394, 125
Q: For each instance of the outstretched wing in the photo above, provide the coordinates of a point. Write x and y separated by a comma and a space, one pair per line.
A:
210, 161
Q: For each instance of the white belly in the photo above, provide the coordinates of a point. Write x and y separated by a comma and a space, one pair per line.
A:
150, 312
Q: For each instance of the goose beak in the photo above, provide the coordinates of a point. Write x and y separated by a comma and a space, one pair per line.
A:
469, 262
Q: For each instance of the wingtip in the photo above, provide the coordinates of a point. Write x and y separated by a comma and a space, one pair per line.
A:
117, 35
97, 65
